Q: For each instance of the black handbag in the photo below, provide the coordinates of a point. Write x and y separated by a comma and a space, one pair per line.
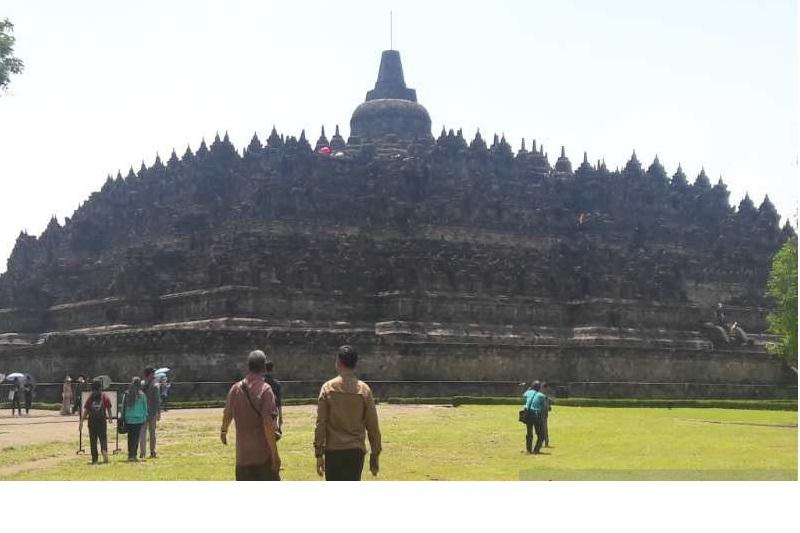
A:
122, 427
523, 416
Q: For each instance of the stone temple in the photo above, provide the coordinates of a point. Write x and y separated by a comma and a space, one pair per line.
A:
455, 265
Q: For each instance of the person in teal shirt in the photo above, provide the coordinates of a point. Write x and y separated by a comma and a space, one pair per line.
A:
535, 403
134, 411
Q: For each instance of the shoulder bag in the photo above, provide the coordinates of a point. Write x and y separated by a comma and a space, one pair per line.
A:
243, 385
122, 427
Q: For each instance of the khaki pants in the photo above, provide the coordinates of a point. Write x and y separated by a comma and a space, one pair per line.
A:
149, 426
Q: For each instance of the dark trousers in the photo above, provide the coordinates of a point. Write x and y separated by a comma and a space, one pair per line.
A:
344, 465
534, 424
28, 400
97, 433
546, 432
15, 403
133, 439
262, 472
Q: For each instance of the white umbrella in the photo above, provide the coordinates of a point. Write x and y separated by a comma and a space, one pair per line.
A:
162, 370
14, 375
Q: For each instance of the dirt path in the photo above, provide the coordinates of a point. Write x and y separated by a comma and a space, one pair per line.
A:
31, 465
40, 427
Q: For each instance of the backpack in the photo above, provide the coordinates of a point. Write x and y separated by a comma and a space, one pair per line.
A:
96, 409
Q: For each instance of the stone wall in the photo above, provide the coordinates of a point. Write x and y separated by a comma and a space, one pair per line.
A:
307, 355
217, 390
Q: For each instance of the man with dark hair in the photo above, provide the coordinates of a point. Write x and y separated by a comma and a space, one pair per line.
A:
345, 415
534, 404
251, 405
153, 395
275, 385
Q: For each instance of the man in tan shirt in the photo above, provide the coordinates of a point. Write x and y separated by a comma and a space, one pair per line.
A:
345, 414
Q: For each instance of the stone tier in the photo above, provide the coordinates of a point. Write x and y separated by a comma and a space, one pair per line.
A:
214, 350
419, 306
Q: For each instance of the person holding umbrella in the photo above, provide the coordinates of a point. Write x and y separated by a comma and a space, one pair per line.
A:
163, 386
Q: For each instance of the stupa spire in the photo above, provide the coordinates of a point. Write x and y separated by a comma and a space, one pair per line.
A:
391, 82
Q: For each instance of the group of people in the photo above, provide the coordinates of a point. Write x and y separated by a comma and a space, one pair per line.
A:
138, 417
21, 391
535, 412
72, 392
346, 416
141, 412
346, 419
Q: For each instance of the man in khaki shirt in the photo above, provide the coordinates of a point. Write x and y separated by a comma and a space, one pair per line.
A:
345, 414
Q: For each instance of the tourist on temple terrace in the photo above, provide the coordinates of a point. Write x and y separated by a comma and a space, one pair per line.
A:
251, 406
134, 413
345, 415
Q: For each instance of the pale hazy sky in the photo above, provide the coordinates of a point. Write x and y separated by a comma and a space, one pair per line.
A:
109, 84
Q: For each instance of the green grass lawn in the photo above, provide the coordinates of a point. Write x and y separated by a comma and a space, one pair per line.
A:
472, 442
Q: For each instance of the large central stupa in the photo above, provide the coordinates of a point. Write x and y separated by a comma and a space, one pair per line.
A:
391, 110
456, 267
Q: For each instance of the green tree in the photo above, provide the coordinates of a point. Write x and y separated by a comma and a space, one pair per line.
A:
8, 63
783, 290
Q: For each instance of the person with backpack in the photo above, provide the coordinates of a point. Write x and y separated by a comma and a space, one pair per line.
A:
134, 413
534, 402
97, 410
